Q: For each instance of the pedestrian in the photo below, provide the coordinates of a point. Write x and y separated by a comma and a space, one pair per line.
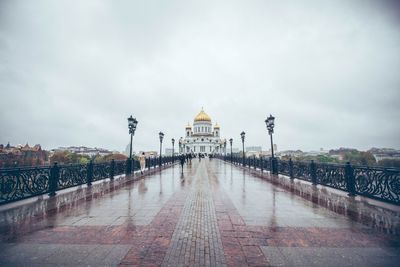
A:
182, 160
142, 161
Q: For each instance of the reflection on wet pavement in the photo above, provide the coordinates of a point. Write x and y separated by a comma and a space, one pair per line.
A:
208, 214
261, 203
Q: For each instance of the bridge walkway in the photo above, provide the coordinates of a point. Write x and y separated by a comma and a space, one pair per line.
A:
211, 214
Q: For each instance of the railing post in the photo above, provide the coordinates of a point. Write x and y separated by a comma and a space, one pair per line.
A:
291, 169
128, 166
53, 179
261, 164
271, 165
89, 177
313, 172
112, 169
275, 165
350, 179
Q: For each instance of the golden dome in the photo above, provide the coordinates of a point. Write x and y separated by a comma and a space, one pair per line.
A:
188, 126
202, 116
216, 126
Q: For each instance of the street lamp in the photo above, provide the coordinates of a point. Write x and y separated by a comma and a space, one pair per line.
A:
161, 135
132, 123
224, 149
242, 135
173, 148
231, 141
270, 122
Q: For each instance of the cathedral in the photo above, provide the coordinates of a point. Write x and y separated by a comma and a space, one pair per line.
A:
202, 138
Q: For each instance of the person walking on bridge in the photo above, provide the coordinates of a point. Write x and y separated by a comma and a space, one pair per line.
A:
182, 159
142, 161
190, 158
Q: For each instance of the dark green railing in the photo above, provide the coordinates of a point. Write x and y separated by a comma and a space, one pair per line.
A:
374, 182
24, 182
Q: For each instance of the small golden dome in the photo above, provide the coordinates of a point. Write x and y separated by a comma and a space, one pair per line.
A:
216, 126
188, 126
202, 116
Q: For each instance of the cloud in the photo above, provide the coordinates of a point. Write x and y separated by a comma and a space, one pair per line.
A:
71, 72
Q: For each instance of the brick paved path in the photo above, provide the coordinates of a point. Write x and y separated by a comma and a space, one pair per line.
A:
196, 240
213, 214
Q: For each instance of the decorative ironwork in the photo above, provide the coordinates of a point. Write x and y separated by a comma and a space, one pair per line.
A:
101, 171
284, 167
378, 183
331, 175
301, 170
120, 167
72, 175
374, 182
20, 183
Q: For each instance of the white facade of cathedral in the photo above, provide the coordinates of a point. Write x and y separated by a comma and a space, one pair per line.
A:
202, 137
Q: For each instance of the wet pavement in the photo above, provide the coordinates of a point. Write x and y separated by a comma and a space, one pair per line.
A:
211, 214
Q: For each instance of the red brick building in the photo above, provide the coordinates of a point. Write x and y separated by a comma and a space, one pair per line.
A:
19, 155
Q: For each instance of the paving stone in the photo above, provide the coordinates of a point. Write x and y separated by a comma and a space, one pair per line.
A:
317, 256
196, 240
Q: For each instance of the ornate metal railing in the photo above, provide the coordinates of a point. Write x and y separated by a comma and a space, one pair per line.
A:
374, 182
20, 183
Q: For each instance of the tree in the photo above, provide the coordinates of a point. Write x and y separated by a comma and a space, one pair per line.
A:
359, 158
60, 157
65, 157
110, 157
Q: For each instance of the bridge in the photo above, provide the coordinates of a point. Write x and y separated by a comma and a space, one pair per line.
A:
212, 212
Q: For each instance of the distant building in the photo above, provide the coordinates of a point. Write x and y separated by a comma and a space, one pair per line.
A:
19, 155
203, 137
290, 153
253, 149
385, 153
316, 153
83, 150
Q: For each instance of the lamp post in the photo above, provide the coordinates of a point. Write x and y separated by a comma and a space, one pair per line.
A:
270, 122
224, 148
231, 141
173, 148
242, 135
132, 123
161, 135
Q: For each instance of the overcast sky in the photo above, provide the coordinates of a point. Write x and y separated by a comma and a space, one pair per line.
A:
71, 72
